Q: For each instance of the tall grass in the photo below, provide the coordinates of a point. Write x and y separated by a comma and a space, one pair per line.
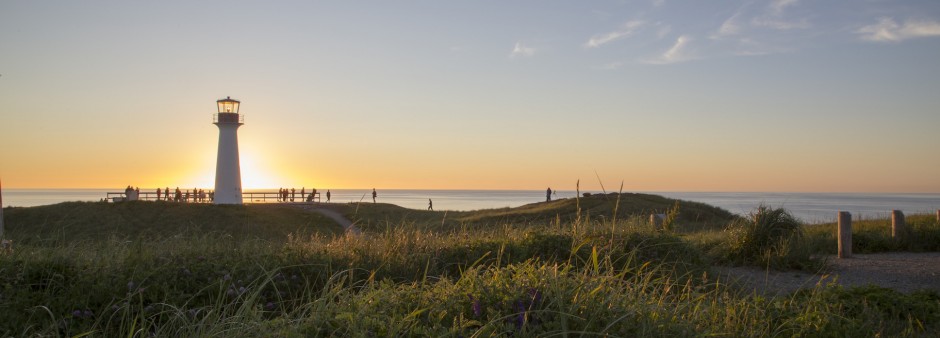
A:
594, 277
770, 237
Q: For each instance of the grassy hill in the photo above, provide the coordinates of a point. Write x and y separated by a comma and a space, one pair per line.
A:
183, 270
692, 215
73, 221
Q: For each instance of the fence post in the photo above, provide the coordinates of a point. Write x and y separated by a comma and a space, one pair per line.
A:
898, 226
656, 220
845, 234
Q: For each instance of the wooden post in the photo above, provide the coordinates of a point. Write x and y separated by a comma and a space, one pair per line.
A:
845, 234
656, 220
898, 226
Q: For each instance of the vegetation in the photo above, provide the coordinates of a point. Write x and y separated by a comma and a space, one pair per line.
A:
163, 269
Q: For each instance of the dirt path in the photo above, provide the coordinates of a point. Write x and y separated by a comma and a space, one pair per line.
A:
347, 225
902, 271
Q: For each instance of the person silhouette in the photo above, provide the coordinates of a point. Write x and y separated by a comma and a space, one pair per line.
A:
292, 193
158, 193
374, 195
548, 195
327, 195
430, 205
166, 194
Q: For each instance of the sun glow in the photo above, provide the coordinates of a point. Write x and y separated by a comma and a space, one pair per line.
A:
256, 173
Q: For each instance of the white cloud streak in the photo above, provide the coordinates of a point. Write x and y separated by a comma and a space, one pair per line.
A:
778, 6
678, 53
520, 50
888, 30
602, 39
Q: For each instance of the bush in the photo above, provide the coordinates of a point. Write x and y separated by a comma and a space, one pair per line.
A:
771, 238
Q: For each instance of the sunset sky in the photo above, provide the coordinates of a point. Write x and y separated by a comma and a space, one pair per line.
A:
664, 95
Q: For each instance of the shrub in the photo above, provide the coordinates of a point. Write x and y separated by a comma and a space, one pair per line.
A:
770, 237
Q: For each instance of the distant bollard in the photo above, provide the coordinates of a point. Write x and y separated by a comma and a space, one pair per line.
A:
898, 226
657, 220
845, 234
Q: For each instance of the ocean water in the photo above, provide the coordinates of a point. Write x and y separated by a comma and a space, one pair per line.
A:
810, 207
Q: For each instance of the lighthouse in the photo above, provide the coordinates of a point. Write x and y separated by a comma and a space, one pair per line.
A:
228, 176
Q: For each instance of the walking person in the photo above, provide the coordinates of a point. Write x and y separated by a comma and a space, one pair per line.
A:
327, 195
430, 205
374, 195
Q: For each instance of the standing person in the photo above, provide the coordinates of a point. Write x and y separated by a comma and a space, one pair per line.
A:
327, 195
374, 195
430, 205
179, 195
292, 193
303, 193
548, 195
158, 194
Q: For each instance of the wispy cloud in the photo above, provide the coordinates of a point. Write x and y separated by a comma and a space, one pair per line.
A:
610, 66
780, 24
729, 27
659, 3
627, 30
888, 30
778, 6
678, 53
520, 50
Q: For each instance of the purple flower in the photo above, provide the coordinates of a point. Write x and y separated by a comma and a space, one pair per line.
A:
269, 306
475, 306
242, 290
77, 313
88, 314
130, 286
520, 316
535, 295
230, 292
227, 277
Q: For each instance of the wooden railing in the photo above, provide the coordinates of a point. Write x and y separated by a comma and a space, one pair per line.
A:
247, 197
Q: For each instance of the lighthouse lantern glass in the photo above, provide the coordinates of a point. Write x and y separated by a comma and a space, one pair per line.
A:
228, 105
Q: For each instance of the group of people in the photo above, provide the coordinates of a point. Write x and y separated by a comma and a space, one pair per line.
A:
290, 195
194, 196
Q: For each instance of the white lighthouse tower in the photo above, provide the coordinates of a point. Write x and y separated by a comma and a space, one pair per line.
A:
228, 176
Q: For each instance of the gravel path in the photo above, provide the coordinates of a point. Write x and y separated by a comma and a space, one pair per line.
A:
902, 271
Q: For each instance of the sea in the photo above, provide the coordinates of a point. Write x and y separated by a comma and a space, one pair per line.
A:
809, 207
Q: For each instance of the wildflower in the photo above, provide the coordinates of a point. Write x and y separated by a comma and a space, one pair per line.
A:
230, 292
269, 306
77, 313
520, 316
88, 313
242, 290
130, 286
535, 295
227, 277
475, 306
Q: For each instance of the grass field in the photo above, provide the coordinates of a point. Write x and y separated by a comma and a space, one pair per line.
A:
547, 269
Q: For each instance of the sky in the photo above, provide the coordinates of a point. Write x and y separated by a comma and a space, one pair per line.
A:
659, 95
